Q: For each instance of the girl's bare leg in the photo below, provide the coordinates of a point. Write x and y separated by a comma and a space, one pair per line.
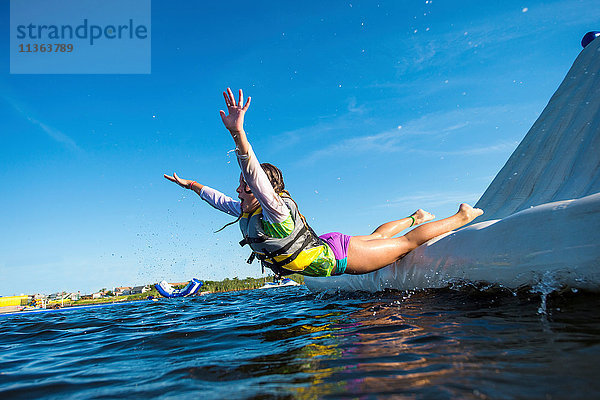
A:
390, 229
370, 255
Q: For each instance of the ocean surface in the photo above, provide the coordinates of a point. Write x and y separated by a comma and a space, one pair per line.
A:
467, 343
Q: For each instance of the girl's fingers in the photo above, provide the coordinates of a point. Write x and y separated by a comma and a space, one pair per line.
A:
231, 98
177, 179
170, 178
226, 99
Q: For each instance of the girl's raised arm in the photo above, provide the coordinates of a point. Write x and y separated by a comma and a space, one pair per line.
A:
234, 122
274, 209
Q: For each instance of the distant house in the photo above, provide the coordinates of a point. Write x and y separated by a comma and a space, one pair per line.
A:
122, 291
139, 289
59, 296
55, 296
74, 296
97, 295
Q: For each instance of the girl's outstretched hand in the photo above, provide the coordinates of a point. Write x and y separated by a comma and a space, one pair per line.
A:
234, 122
184, 183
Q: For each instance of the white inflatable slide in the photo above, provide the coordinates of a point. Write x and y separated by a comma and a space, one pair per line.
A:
542, 211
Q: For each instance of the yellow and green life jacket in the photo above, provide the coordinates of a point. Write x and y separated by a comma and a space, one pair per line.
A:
284, 256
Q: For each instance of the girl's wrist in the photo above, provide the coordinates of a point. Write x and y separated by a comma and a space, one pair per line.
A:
236, 132
191, 185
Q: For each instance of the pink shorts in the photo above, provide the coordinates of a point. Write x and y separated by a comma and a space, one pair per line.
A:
339, 245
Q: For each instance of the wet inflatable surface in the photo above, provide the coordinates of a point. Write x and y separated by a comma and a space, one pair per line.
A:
542, 210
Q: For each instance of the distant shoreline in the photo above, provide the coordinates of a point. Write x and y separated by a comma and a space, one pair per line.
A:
226, 285
69, 308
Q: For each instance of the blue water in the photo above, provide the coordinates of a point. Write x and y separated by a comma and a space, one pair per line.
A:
290, 343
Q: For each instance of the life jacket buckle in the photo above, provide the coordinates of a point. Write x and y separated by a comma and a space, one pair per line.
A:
251, 258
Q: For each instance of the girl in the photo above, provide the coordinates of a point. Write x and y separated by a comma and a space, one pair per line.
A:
280, 237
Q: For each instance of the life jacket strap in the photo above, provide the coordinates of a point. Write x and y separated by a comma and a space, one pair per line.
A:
280, 264
249, 240
285, 248
272, 255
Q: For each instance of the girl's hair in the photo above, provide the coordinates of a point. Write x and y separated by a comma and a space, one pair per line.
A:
275, 177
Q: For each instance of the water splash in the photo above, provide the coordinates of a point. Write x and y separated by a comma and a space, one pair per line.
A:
545, 286
229, 155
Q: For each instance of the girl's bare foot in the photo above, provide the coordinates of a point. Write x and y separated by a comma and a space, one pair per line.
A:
469, 213
421, 216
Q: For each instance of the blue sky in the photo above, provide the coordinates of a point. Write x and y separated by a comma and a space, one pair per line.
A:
371, 109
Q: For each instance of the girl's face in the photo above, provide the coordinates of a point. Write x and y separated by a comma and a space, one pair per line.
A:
249, 202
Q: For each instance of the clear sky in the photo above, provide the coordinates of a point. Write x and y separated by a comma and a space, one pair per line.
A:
371, 109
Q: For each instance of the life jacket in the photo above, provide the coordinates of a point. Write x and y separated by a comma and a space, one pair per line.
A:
284, 256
